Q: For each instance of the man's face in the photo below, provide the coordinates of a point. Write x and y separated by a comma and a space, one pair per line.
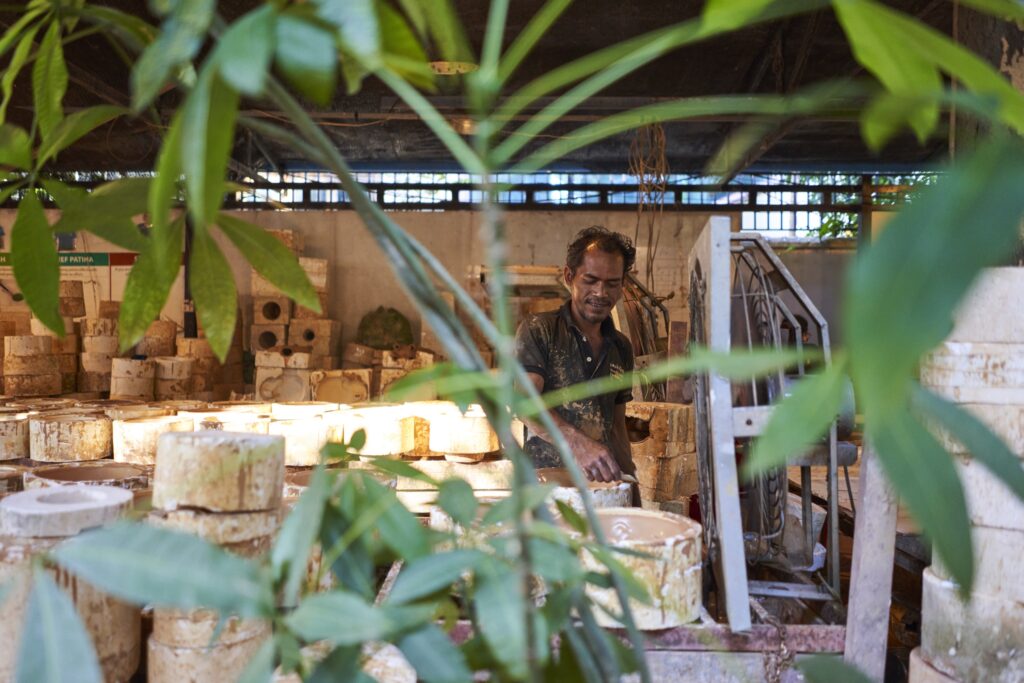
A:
596, 286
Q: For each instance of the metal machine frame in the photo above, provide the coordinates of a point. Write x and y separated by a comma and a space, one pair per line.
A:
712, 270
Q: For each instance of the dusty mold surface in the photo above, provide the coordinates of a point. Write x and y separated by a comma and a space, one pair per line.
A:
671, 575
979, 641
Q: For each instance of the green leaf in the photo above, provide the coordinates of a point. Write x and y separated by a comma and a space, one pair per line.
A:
434, 656
163, 191
14, 31
741, 365
885, 116
356, 22
36, 267
605, 67
260, 668
307, 56
922, 42
416, 14
271, 259
149, 284
78, 124
342, 664
1004, 9
427, 575
456, 498
737, 148
399, 41
353, 72
289, 650
354, 568
18, 59
572, 518
729, 15
923, 475
976, 438
135, 32
567, 668
147, 565
15, 147
54, 644
529, 36
49, 81
180, 38
107, 212
299, 532
245, 50
830, 669
400, 468
634, 589
213, 288
399, 528
500, 607
911, 278
530, 497
447, 31
343, 618
879, 45
555, 562
207, 136
357, 441
800, 419
69, 198
446, 380
766, 105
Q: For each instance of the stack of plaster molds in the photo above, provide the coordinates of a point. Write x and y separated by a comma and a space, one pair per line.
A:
304, 425
159, 339
981, 367
226, 488
665, 454
211, 379
64, 348
283, 373
173, 378
30, 368
70, 435
132, 379
32, 523
99, 348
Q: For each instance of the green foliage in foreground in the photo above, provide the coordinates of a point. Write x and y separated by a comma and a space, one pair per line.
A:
899, 299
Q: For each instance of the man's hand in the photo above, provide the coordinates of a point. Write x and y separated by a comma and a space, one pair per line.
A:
596, 460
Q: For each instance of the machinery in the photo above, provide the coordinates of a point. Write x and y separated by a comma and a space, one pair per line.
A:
743, 297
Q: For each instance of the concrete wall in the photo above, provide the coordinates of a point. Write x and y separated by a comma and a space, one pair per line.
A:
362, 278
821, 272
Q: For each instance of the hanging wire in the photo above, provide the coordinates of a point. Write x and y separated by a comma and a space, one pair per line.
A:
649, 165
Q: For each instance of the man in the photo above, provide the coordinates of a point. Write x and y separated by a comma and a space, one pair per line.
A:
579, 342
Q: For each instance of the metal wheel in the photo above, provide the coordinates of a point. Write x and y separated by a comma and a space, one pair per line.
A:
756, 325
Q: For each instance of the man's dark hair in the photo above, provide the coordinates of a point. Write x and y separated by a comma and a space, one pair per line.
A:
605, 240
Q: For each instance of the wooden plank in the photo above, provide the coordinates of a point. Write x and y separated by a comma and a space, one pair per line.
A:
677, 389
718, 667
805, 638
712, 637
871, 570
712, 253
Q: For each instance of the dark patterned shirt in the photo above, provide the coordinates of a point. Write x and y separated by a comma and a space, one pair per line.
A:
552, 346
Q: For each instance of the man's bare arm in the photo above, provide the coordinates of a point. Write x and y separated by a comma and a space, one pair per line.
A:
596, 459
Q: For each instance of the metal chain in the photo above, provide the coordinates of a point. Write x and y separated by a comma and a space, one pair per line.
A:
781, 658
